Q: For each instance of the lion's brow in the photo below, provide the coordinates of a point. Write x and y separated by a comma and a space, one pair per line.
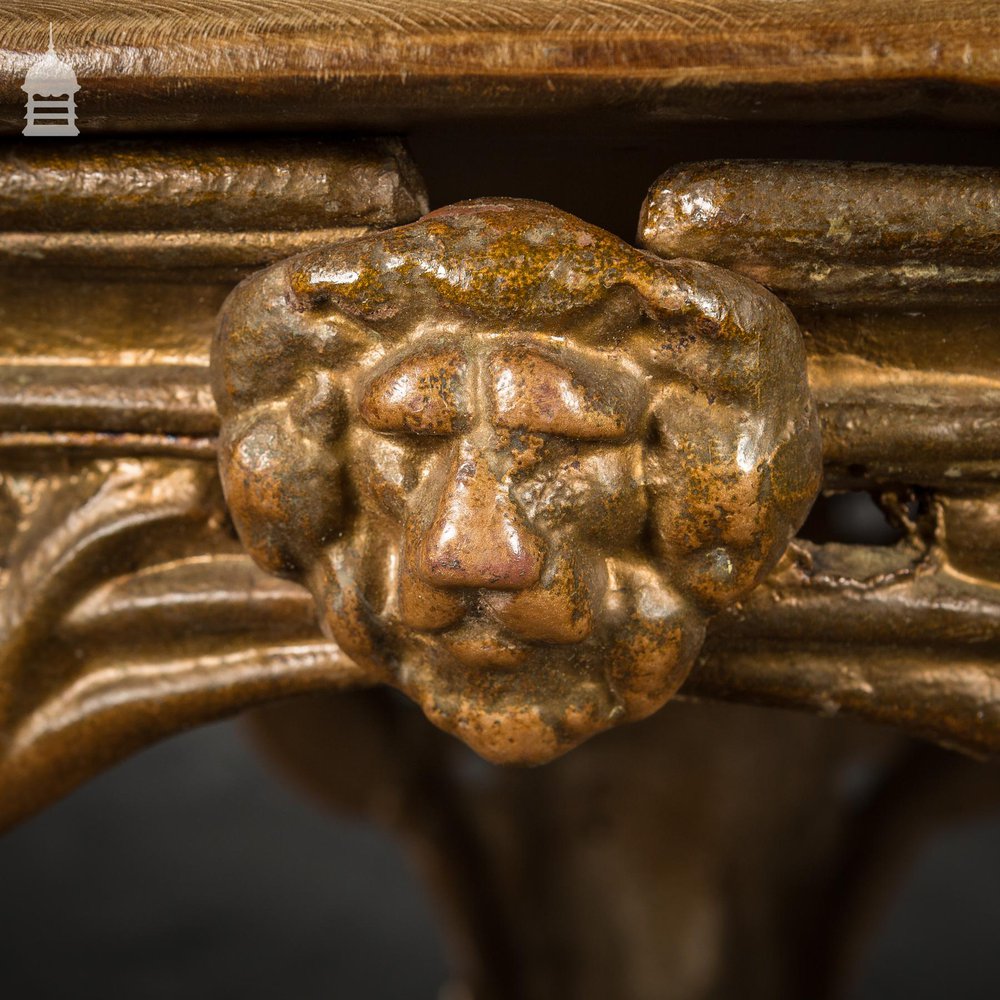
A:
535, 393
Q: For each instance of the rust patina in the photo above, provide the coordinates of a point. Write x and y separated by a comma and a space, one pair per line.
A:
517, 462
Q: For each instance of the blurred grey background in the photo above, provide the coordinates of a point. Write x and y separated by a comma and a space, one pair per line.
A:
193, 871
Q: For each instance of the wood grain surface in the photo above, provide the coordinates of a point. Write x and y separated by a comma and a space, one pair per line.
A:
330, 63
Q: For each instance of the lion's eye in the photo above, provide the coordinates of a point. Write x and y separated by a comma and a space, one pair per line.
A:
419, 395
532, 394
526, 450
318, 406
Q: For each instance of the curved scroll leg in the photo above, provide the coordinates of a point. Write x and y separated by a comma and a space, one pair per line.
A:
710, 851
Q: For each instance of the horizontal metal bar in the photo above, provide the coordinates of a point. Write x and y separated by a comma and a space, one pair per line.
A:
846, 234
174, 400
103, 188
178, 256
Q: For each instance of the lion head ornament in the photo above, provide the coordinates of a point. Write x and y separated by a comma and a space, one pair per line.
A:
517, 462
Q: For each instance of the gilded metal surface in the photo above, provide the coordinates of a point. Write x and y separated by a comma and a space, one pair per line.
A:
289, 183
127, 612
892, 273
105, 379
521, 466
194, 211
904, 634
517, 462
848, 234
127, 609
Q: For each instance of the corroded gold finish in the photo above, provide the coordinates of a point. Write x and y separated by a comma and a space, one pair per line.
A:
194, 211
519, 466
112, 525
105, 380
892, 274
517, 462
847, 234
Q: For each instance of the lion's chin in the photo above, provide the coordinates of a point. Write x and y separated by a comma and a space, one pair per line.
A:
522, 735
527, 715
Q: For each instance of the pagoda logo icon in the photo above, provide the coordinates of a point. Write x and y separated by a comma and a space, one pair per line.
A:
50, 85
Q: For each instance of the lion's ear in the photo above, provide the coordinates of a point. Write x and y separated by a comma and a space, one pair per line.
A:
283, 486
725, 334
276, 364
733, 466
722, 524
268, 337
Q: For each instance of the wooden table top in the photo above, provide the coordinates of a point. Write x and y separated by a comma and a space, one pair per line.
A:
213, 64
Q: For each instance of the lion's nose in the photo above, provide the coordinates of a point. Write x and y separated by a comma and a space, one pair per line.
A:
478, 537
